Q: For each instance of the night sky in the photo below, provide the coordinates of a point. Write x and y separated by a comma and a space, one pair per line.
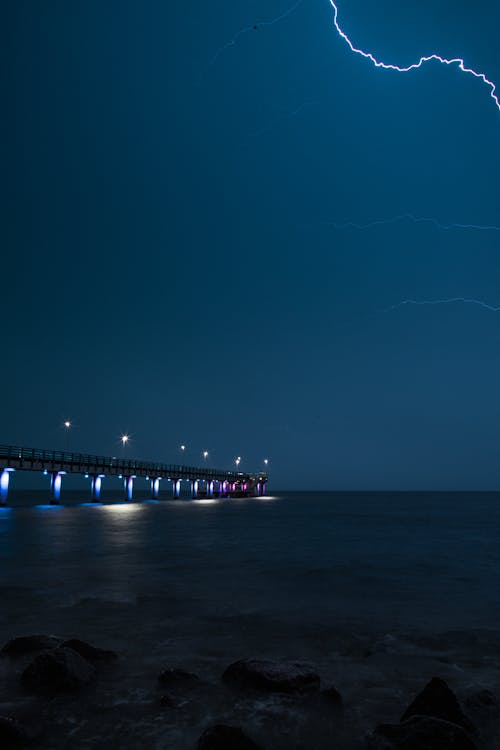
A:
170, 264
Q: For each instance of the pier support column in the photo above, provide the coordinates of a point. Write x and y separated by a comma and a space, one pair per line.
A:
95, 488
55, 487
128, 486
224, 486
194, 488
210, 489
176, 488
4, 485
155, 488
263, 489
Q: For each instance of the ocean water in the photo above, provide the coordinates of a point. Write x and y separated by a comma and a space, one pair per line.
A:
378, 591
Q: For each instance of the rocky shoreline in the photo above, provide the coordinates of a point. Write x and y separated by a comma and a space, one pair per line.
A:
56, 678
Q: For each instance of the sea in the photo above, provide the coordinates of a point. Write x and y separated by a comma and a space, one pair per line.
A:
379, 592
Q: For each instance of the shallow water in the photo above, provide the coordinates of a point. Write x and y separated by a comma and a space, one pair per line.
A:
379, 591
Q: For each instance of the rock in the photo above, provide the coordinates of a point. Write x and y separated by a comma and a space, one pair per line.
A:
175, 677
270, 676
167, 701
27, 644
59, 670
483, 699
91, 653
420, 733
224, 737
438, 701
332, 696
12, 733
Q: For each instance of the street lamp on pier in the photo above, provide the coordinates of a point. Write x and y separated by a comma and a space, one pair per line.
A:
67, 428
124, 441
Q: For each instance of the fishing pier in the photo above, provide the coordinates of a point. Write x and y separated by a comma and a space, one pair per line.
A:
56, 464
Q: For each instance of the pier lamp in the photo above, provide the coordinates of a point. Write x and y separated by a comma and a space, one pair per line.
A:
183, 448
124, 440
266, 461
237, 462
67, 428
205, 455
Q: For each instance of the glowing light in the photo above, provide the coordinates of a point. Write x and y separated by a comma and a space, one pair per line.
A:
183, 447
124, 439
450, 301
4, 484
56, 486
266, 461
121, 509
205, 455
412, 218
97, 487
129, 487
67, 424
458, 61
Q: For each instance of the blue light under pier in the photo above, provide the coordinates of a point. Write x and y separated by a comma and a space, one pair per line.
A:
55, 464
4, 485
155, 488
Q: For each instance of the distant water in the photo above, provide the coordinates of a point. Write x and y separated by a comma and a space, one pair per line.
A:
375, 589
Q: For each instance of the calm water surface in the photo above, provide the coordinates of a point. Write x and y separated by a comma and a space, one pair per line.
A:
358, 584
395, 558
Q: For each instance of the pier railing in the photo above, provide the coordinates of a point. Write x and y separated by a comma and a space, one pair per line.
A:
35, 459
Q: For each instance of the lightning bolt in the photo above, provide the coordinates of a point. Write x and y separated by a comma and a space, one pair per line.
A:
450, 301
415, 220
253, 27
414, 66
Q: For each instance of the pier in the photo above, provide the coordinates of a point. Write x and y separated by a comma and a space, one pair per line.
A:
56, 464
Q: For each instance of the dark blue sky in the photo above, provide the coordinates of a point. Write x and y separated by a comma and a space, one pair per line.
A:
166, 266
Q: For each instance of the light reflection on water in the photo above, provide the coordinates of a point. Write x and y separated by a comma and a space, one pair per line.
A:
328, 554
122, 509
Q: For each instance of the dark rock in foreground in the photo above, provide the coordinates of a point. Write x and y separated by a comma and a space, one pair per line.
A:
174, 677
27, 644
483, 699
332, 696
420, 733
167, 701
224, 737
438, 701
270, 676
59, 670
91, 653
12, 734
